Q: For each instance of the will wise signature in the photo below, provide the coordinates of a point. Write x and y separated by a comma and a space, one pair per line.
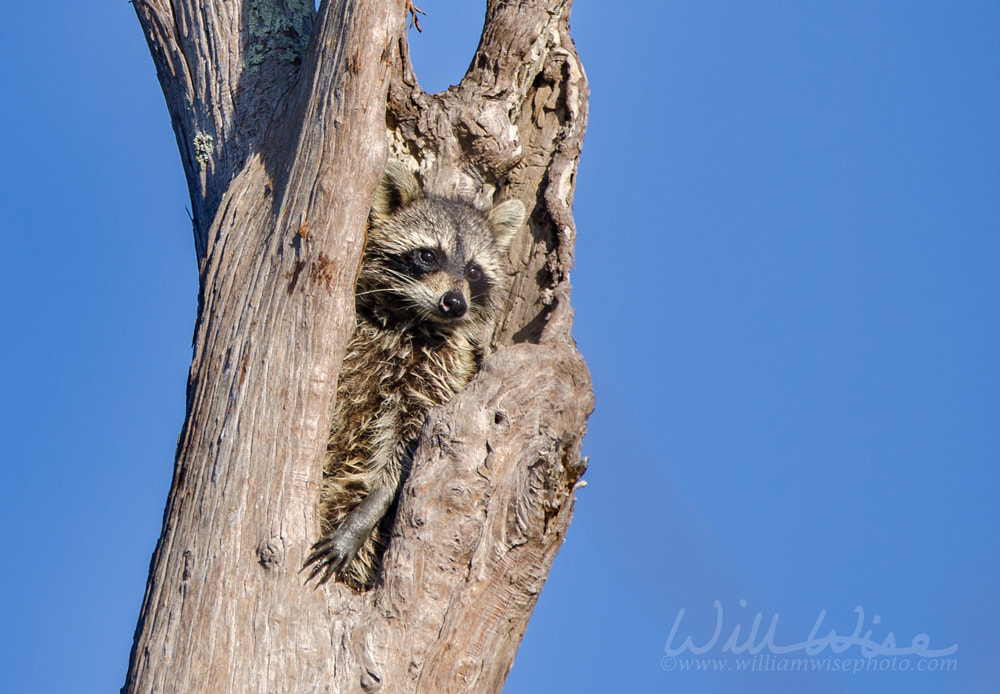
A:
753, 643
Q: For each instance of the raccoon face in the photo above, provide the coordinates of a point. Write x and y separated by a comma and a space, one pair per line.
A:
433, 260
444, 286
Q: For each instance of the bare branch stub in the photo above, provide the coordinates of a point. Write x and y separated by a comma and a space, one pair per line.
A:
413, 11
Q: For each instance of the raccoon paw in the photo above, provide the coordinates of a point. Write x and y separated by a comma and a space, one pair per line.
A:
333, 553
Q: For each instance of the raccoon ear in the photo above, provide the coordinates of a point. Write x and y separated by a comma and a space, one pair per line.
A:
397, 189
505, 219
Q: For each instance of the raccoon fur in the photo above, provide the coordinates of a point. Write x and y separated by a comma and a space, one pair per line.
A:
431, 280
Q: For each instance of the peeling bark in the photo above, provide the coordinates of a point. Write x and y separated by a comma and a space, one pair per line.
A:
284, 121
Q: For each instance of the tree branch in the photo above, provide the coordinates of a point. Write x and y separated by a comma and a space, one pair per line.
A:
480, 522
277, 282
223, 66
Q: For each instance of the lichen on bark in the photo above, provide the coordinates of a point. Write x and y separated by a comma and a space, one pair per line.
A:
278, 28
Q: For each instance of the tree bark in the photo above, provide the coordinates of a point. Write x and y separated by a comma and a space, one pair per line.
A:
284, 120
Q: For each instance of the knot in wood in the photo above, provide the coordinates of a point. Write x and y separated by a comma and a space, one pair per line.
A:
270, 553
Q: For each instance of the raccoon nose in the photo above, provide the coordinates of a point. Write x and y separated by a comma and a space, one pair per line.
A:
452, 305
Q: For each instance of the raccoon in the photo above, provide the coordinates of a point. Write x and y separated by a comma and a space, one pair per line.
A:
431, 280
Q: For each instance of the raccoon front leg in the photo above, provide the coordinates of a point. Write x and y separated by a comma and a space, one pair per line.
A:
337, 550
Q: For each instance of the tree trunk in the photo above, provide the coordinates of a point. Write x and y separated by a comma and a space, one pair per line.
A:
284, 119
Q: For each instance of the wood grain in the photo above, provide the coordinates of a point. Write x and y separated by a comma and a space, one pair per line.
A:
299, 138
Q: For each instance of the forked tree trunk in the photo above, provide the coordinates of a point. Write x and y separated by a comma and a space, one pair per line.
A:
284, 121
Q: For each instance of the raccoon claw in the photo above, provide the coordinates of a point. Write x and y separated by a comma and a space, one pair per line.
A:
331, 554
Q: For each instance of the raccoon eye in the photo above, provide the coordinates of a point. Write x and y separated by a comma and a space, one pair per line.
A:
473, 273
427, 256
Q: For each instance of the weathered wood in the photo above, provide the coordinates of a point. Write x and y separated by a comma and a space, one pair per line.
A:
225, 609
299, 139
223, 67
480, 522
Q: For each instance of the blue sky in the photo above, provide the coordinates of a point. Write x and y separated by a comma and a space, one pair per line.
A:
786, 290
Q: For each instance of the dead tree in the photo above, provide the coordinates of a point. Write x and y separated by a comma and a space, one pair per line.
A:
284, 118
